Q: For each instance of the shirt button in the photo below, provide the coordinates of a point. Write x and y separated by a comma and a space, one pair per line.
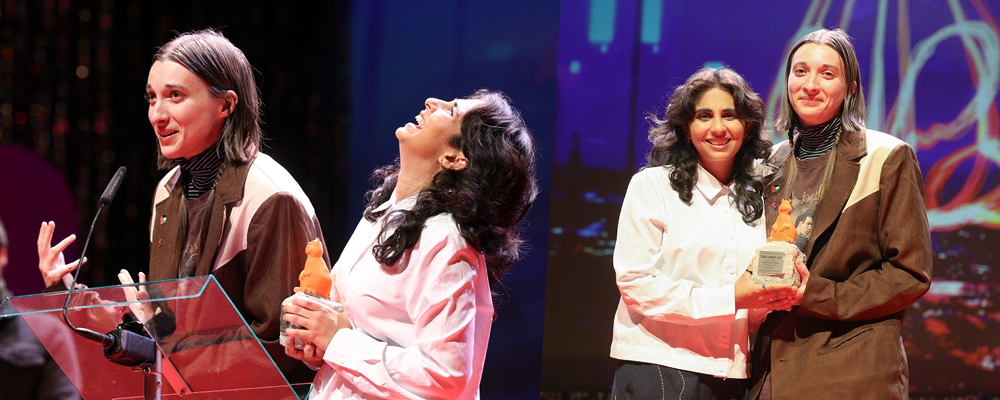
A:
731, 272
725, 338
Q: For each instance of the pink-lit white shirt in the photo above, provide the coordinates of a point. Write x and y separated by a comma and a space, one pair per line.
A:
675, 265
420, 328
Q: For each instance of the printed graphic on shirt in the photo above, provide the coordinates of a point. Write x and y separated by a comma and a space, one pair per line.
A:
189, 260
805, 196
803, 213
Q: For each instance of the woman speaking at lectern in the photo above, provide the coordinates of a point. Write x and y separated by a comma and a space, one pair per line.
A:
224, 208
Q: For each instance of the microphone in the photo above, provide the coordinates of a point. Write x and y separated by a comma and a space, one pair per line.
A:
112, 189
125, 345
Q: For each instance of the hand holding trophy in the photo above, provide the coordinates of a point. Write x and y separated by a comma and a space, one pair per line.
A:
315, 283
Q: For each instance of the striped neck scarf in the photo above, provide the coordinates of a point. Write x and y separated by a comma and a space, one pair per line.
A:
201, 172
816, 141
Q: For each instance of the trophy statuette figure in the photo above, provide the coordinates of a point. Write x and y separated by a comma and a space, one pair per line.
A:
775, 261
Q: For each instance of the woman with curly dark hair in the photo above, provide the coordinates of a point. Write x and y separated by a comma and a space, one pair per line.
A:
416, 275
689, 226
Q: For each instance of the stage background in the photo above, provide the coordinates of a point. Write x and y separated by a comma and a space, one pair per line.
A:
930, 73
336, 80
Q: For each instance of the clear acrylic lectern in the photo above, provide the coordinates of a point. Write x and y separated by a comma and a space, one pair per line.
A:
208, 350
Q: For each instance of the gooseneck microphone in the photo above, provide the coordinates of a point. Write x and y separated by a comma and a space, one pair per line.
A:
125, 345
112, 189
106, 197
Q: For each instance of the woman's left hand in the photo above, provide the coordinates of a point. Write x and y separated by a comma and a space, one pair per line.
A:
319, 323
804, 274
750, 295
309, 354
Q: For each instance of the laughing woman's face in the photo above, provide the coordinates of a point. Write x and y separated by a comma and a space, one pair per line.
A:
437, 124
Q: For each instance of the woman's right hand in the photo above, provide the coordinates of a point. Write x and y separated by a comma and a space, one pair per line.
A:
318, 322
750, 295
51, 262
801, 290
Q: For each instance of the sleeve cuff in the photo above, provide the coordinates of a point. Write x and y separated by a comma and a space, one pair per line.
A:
354, 350
812, 298
717, 303
57, 286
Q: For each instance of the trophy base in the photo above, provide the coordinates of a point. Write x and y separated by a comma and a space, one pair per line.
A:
299, 342
775, 263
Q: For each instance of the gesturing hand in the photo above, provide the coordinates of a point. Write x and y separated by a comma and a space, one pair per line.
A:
51, 262
142, 311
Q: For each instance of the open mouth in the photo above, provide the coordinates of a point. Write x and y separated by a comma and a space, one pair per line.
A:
719, 142
164, 135
420, 121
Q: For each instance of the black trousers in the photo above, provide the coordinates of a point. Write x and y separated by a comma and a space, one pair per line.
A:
642, 381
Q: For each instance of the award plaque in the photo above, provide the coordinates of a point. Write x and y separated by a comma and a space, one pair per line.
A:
775, 261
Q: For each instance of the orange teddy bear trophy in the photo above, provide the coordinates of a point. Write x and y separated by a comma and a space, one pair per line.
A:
315, 278
783, 229
775, 262
315, 283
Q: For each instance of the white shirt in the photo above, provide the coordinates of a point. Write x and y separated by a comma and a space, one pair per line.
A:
675, 264
420, 328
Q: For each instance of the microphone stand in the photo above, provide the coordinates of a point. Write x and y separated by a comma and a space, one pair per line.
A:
152, 379
129, 345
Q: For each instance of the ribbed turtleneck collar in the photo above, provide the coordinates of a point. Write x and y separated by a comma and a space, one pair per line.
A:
815, 141
201, 172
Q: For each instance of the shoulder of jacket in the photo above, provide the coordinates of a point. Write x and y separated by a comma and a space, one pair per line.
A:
875, 139
267, 178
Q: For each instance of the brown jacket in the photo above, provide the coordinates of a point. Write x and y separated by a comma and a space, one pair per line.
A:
258, 228
870, 258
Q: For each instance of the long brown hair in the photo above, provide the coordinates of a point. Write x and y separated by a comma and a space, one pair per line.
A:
223, 67
853, 111
852, 115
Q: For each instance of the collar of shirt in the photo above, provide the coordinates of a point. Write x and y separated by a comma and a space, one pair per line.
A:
404, 204
710, 187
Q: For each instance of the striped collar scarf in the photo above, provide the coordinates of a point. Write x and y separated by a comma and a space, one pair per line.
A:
817, 140
201, 172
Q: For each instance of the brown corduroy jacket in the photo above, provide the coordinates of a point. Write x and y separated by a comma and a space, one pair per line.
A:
258, 227
869, 256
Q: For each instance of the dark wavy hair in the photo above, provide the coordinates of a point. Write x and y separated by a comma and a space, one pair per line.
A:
488, 198
223, 67
671, 146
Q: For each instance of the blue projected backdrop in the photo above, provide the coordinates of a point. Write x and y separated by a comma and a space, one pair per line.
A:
930, 73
